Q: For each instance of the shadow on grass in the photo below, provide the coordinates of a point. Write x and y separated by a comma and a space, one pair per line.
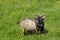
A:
32, 33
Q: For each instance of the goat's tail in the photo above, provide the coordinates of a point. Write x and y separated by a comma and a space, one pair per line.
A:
18, 22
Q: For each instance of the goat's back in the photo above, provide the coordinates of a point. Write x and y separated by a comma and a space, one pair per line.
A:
28, 24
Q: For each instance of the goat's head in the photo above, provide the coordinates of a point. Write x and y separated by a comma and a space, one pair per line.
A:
40, 22
40, 18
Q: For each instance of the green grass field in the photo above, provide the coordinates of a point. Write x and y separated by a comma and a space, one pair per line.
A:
12, 11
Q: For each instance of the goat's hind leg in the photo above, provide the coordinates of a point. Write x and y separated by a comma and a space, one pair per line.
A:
22, 31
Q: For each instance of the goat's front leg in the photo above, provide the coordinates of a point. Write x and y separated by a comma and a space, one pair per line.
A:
35, 30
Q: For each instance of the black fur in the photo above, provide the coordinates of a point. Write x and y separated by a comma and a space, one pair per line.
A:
18, 22
40, 24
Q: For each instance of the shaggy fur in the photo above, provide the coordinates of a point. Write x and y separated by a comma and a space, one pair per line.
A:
40, 23
30, 24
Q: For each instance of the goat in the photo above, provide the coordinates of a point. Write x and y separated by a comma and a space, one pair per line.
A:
30, 24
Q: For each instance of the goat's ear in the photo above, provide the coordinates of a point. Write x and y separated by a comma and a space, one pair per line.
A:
43, 17
35, 18
38, 15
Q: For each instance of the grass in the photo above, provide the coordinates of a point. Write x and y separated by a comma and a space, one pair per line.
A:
12, 11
